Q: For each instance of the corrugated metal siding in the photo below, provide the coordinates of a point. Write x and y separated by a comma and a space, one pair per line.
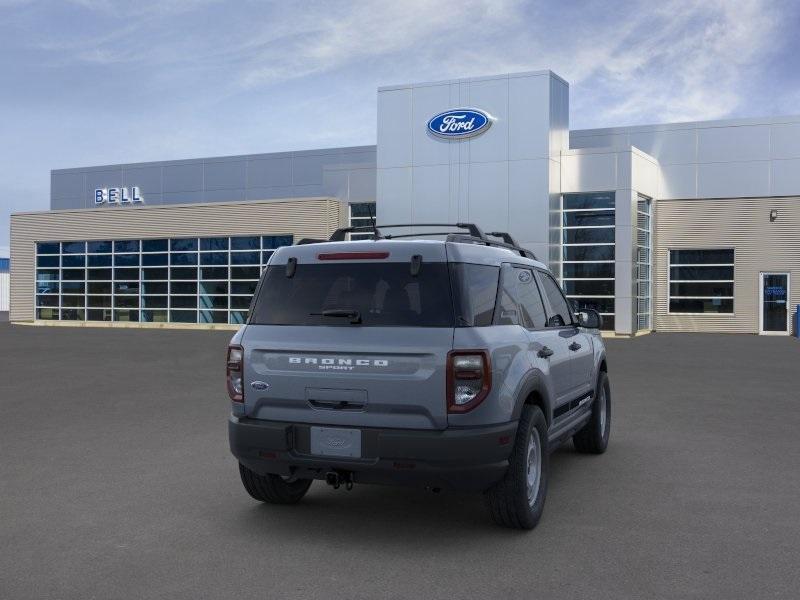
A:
308, 217
3, 291
742, 224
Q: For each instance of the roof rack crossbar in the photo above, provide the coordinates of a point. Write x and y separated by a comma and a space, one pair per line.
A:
473, 234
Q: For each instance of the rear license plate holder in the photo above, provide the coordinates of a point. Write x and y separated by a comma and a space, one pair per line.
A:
334, 441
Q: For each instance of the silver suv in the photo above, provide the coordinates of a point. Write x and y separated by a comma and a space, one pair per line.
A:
453, 363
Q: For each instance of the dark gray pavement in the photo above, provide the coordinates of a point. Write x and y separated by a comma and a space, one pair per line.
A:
116, 482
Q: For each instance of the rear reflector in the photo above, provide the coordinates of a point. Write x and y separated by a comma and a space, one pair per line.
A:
353, 255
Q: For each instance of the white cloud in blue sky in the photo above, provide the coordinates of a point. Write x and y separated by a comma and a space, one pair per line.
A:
100, 82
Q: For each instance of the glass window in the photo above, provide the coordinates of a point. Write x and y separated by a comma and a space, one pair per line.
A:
183, 273
155, 274
183, 244
126, 287
183, 287
519, 301
47, 261
98, 247
577, 287
589, 200
73, 274
588, 270
183, 301
154, 245
73, 287
243, 287
213, 316
183, 316
98, 315
73, 314
126, 301
560, 312
98, 301
126, 245
72, 301
214, 258
155, 316
245, 243
244, 258
47, 287
217, 243
47, 274
237, 317
701, 281
215, 302
183, 258
265, 256
383, 294
154, 287
272, 242
126, 274
155, 301
603, 235
99, 274
590, 218
48, 314
73, 247
47, 247
154, 260
47, 300
245, 272
214, 272
100, 260
126, 315
588, 253
240, 301
126, 260
74, 260
474, 288
214, 287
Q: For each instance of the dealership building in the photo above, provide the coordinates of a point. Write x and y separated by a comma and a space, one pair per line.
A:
672, 227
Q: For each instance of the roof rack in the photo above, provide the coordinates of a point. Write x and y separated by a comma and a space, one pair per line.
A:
472, 235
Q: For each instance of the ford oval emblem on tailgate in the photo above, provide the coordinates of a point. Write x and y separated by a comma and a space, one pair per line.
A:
259, 385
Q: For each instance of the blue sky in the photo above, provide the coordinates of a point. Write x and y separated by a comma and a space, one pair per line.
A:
92, 82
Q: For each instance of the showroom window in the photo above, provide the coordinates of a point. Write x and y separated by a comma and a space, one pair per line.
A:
701, 281
587, 276
644, 229
361, 215
169, 280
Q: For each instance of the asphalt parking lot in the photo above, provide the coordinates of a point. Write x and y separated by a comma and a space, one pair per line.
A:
116, 482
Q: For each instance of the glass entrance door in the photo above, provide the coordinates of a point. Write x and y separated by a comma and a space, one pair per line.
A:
774, 294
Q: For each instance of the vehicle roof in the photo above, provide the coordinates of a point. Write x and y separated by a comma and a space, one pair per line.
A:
403, 250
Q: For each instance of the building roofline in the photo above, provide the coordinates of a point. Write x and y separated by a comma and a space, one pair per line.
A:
401, 86
686, 125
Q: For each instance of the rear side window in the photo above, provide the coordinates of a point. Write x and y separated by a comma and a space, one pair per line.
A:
562, 315
519, 301
474, 293
384, 294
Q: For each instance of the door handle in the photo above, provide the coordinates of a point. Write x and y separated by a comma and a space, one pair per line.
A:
574, 346
545, 352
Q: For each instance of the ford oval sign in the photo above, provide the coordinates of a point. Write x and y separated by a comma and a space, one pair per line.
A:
459, 123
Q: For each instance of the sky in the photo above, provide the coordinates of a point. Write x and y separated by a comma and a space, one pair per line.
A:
93, 82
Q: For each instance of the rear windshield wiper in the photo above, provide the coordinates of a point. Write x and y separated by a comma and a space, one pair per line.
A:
353, 315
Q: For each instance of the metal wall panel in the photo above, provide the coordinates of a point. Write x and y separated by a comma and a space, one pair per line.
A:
248, 177
742, 224
311, 217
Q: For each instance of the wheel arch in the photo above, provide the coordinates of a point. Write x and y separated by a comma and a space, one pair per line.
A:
533, 391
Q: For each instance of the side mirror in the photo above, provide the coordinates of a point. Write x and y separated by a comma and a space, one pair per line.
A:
590, 318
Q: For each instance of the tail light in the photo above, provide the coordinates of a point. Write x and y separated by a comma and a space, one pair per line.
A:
235, 373
469, 379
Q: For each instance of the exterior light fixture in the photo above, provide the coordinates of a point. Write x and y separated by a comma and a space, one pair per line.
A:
773, 215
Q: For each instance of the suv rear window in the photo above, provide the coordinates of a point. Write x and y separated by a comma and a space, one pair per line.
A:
384, 294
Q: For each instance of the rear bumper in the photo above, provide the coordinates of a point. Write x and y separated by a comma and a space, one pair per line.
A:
463, 459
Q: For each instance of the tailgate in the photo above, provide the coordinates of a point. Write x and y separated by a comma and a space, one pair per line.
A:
365, 376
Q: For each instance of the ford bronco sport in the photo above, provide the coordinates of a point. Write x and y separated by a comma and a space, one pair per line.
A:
450, 363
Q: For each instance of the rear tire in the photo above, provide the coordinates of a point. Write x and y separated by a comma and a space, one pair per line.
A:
593, 438
517, 501
273, 488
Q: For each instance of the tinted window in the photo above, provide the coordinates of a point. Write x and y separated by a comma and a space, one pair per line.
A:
384, 294
558, 304
474, 293
519, 300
